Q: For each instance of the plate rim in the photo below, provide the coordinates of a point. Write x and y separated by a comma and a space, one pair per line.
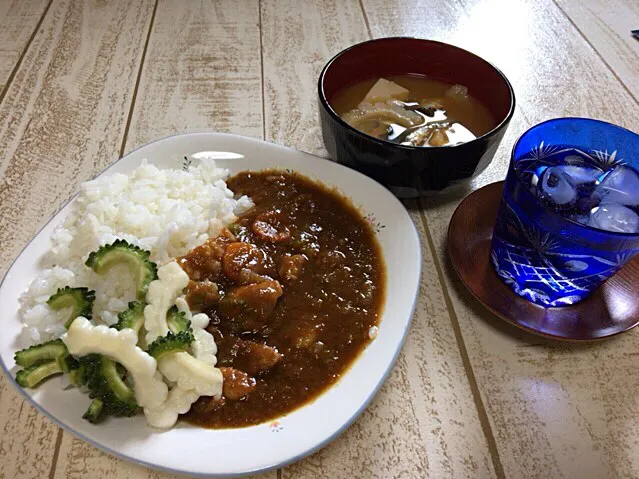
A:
355, 415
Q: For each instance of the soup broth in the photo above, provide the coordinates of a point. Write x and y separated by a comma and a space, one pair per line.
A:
385, 108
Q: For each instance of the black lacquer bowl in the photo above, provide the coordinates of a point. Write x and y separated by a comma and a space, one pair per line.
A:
410, 171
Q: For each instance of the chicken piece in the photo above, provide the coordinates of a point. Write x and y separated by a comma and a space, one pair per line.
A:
268, 232
291, 267
268, 227
248, 308
252, 357
202, 295
237, 384
209, 405
239, 256
200, 268
204, 261
251, 277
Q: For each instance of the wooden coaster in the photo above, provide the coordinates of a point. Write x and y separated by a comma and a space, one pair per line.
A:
610, 310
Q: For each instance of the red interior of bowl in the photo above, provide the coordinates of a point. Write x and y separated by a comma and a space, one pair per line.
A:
396, 56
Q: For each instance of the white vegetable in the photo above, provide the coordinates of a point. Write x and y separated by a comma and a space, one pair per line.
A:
83, 338
384, 90
191, 373
199, 320
204, 347
193, 376
178, 402
162, 294
183, 307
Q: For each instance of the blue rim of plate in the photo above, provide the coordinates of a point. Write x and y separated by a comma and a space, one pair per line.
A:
151, 465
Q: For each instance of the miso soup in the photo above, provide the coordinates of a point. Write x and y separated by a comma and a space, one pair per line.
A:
413, 110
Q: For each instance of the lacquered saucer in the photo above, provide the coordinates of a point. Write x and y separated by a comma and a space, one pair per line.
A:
612, 309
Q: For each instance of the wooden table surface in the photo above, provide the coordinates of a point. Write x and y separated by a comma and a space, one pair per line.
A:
84, 82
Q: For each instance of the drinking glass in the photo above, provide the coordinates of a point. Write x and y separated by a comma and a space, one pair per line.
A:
541, 255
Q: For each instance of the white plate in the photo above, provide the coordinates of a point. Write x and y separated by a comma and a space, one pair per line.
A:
206, 452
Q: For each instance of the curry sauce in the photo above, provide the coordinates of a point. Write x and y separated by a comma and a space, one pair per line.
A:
293, 289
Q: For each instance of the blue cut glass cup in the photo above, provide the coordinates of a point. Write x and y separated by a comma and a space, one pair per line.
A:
542, 248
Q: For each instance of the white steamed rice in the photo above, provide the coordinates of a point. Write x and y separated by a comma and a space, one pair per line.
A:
168, 212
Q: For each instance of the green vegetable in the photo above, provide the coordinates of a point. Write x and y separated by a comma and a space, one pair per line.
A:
80, 299
176, 320
121, 252
40, 353
34, 375
105, 380
171, 343
67, 363
78, 375
41, 361
94, 413
132, 318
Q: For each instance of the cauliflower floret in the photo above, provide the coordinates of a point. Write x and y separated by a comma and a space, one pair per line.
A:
84, 338
161, 296
191, 373
178, 402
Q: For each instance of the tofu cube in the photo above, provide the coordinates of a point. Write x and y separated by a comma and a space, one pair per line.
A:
384, 90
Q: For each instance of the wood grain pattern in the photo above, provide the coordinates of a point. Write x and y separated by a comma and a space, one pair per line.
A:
18, 20
469, 396
423, 423
298, 39
60, 123
79, 459
555, 410
201, 72
554, 72
606, 24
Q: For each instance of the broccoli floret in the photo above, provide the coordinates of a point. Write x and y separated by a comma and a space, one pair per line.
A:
132, 318
94, 413
80, 299
171, 343
40, 353
105, 381
176, 320
121, 252
34, 375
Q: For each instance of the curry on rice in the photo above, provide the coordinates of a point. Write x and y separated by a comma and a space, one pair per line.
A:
294, 290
